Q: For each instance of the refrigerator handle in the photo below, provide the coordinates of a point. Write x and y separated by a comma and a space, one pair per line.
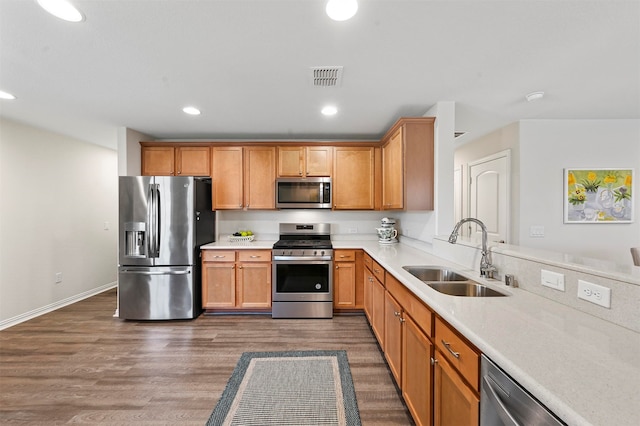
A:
153, 221
158, 219
134, 271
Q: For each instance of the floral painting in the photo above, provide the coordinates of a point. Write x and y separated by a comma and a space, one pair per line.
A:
598, 195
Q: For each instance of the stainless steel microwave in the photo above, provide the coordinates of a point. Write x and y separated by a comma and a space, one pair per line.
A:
307, 193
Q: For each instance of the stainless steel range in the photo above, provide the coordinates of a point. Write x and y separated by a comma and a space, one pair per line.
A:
303, 271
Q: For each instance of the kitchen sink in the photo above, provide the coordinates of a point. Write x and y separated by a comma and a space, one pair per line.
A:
465, 289
434, 273
449, 282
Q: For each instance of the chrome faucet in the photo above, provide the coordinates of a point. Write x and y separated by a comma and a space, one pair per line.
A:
486, 268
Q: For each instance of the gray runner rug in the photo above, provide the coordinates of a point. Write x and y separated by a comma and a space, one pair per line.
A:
308, 388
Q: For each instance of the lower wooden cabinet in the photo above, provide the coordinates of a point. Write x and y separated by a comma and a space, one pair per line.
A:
393, 321
377, 310
417, 376
455, 403
436, 369
236, 280
348, 289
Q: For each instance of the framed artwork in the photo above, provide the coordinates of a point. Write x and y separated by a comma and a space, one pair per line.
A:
598, 195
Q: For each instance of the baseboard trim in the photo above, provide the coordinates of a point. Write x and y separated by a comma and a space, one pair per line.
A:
10, 322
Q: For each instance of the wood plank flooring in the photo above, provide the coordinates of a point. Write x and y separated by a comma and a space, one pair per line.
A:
79, 365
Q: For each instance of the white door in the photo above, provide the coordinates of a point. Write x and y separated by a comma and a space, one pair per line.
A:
489, 182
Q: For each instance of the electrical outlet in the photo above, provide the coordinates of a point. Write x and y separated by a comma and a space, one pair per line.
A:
58, 277
594, 293
553, 280
106, 226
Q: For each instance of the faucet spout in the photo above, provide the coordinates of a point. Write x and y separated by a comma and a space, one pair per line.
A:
486, 268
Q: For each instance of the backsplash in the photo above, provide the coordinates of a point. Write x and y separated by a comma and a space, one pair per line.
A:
526, 266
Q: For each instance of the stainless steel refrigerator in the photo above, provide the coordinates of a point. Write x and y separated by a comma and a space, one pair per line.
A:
163, 222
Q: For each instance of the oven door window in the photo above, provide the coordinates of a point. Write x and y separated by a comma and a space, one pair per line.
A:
302, 278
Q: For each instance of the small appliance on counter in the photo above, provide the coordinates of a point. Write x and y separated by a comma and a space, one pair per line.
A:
387, 232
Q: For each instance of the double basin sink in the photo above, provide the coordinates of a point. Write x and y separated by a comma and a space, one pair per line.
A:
451, 283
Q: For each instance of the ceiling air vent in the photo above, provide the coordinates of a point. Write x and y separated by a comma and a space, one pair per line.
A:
326, 76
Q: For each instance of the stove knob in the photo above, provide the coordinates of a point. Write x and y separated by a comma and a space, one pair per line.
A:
315, 252
290, 252
322, 253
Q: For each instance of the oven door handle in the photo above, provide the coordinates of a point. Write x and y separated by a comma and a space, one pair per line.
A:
298, 258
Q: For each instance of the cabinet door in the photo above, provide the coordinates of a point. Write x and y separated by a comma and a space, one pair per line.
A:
417, 378
227, 178
377, 323
353, 178
158, 160
344, 285
193, 161
393, 321
254, 285
368, 294
319, 161
454, 402
290, 161
218, 285
393, 172
260, 177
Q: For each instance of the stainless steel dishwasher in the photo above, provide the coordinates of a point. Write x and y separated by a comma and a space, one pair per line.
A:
504, 402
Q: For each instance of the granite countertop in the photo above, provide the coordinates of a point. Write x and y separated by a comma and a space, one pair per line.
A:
586, 370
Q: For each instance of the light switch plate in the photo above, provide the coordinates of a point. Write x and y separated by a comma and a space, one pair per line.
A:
536, 231
553, 280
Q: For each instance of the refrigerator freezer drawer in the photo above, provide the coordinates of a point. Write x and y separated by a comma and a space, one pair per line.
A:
157, 293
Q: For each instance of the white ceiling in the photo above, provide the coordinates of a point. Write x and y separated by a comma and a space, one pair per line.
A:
245, 64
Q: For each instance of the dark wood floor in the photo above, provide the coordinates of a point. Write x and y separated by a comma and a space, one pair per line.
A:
79, 365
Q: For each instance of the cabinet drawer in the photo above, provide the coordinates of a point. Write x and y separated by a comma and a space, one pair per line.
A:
344, 255
413, 306
464, 357
254, 255
421, 315
218, 256
378, 271
368, 262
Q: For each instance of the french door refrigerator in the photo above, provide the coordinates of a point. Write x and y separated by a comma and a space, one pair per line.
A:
163, 222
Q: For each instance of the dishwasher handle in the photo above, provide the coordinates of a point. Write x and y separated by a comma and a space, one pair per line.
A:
501, 410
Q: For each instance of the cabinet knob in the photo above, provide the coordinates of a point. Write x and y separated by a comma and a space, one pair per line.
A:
337, 267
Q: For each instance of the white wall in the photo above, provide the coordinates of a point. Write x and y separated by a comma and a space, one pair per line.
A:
549, 146
506, 138
357, 225
56, 195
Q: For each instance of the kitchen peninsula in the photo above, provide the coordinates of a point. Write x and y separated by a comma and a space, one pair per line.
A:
582, 368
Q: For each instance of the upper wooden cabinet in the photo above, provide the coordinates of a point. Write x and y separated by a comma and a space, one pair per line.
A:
227, 174
193, 161
173, 160
304, 161
243, 177
408, 165
354, 178
260, 177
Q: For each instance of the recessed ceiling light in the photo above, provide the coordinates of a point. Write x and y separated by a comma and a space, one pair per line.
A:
341, 10
191, 110
6, 95
534, 96
62, 9
329, 110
